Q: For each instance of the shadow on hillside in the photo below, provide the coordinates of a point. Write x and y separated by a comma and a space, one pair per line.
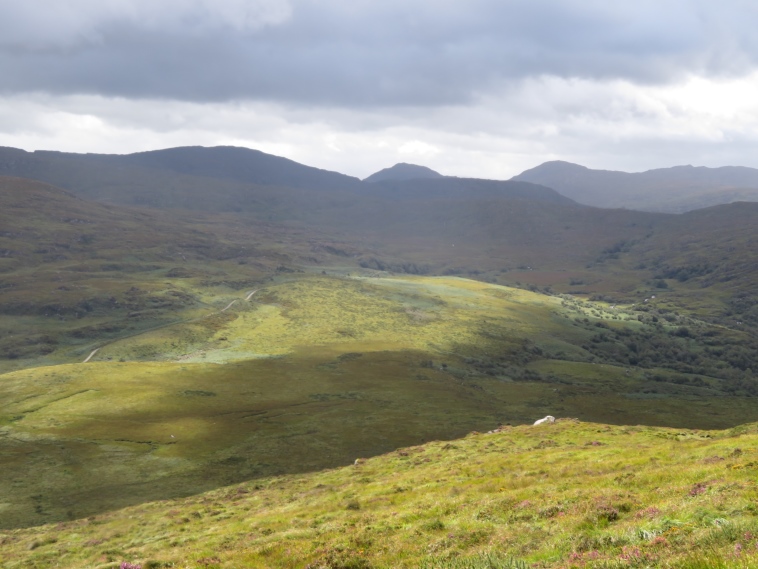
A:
294, 415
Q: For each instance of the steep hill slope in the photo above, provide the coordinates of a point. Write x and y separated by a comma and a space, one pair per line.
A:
675, 190
480, 233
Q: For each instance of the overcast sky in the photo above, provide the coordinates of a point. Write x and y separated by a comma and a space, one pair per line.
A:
484, 88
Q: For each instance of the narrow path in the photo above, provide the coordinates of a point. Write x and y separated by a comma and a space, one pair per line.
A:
89, 357
229, 306
168, 324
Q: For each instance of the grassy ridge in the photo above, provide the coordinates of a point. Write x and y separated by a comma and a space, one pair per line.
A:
570, 494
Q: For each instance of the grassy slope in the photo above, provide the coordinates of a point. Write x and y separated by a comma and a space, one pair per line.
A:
565, 495
315, 370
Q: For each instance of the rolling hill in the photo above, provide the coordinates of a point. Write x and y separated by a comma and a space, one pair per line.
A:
673, 190
240, 179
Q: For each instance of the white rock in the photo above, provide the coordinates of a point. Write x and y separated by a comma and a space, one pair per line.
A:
548, 419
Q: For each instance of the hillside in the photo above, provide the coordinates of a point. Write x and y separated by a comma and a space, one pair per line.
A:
674, 190
307, 371
155, 353
74, 271
703, 261
571, 494
462, 190
43, 224
64, 256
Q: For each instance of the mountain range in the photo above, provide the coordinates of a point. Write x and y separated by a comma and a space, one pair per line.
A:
409, 218
241, 178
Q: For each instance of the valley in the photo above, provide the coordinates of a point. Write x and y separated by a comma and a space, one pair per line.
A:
288, 284
151, 352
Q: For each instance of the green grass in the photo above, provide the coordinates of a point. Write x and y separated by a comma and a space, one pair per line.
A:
315, 371
566, 495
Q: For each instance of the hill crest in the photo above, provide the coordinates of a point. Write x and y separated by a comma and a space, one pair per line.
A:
403, 171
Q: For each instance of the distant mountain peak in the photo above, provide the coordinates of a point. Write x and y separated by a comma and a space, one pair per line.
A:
674, 190
563, 164
553, 168
403, 171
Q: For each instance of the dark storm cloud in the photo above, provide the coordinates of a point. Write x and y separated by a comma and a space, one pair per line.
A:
360, 53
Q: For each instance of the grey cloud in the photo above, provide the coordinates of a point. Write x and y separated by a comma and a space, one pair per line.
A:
36, 26
361, 53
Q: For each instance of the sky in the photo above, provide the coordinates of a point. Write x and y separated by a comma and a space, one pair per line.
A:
479, 88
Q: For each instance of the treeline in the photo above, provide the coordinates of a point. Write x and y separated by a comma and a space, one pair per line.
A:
696, 350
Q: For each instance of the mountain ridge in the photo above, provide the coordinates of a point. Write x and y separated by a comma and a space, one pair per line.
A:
230, 162
179, 178
242, 180
672, 190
